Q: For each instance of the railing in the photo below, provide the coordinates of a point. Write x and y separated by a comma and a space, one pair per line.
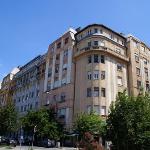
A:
104, 49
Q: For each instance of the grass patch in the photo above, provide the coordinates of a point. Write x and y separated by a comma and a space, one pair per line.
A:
2, 145
8, 147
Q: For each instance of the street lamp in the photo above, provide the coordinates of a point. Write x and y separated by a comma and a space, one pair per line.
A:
34, 130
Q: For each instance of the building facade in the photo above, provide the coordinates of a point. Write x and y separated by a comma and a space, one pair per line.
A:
101, 68
139, 67
82, 71
29, 83
59, 77
7, 88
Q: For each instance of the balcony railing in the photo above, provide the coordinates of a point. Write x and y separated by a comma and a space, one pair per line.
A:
104, 49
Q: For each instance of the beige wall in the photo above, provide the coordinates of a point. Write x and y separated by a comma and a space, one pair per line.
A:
112, 59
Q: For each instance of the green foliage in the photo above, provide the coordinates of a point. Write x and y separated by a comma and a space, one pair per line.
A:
128, 124
8, 119
46, 125
89, 123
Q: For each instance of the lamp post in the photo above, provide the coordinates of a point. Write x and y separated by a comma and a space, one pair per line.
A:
34, 130
21, 136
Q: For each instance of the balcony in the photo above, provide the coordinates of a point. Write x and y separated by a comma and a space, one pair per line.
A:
102, 49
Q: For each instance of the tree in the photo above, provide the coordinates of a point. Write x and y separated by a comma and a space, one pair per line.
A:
46, 125
8, 119
128, 124
89, 123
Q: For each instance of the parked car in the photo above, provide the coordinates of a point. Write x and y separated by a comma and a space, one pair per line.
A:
12, 142
46, 143
3, 140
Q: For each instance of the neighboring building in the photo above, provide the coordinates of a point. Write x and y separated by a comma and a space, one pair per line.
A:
29, 83
139, 67
101, 68
6, 91
59, 77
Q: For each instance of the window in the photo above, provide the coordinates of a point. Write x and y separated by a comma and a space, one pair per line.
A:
25, 108
89, 109
21, 108
52, 49
112, 36
59, 45
63, 97
95, 30
103, 92
89, 44
103, 110
119, 80
49, 72
122, 42
95, 43
136, 57
37, 93
96, 75
48, 86
55, 98
66, 40
101, 31
119, 67
36, 104
62, 112
138, 71
30, 106
65, 53
96, 58
142, 48
146, 73
89, 59
102, 75
32, 94
135, 44
56, 68
89, 75
89, 32
57, 57
117, 39
56, 78
102, 59
96, 109
147, 86
138, 84
89, 92
145, 61
96, 92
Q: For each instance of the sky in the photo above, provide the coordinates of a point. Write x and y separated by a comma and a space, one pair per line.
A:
27, 27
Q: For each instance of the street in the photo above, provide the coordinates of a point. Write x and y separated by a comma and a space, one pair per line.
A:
36, 148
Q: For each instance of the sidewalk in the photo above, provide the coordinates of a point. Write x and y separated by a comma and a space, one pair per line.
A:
36, 148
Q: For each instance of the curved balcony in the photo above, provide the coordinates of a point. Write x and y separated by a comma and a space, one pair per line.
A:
102, 49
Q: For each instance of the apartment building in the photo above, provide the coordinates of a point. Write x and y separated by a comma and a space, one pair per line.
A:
29, 83
101, 62
6, 91
59, 77
139, 68
82, 71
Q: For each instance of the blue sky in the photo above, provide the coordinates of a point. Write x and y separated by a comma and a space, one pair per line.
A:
27, 27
